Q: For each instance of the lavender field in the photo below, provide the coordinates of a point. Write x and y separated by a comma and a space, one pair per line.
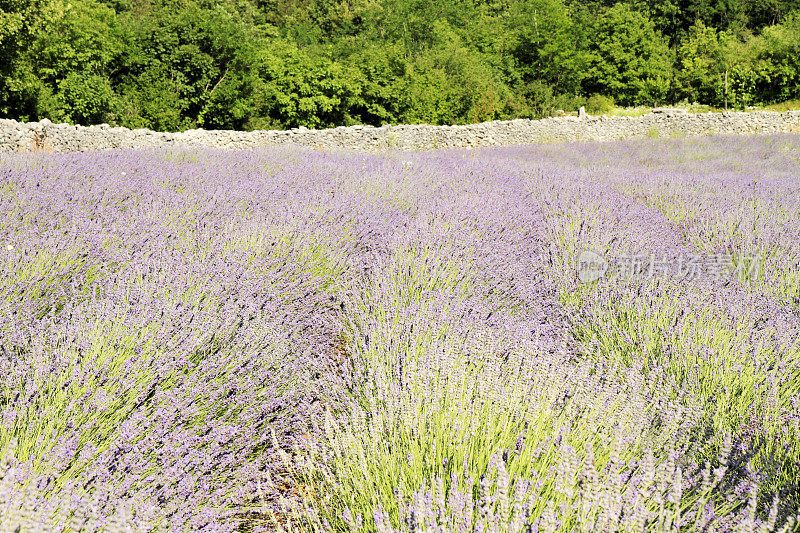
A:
576, 337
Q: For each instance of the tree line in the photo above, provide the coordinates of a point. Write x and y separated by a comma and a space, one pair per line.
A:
171, 65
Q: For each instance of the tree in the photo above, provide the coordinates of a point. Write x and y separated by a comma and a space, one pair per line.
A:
703, 63
451, 84
546, 44
175, 62
630, 60
769, 68
290, 88
150, 100
20, 23
382, 67
85, 98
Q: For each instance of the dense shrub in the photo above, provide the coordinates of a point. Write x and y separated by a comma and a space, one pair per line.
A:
597, 104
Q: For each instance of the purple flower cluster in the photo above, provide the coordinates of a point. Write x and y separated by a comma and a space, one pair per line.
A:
210, 340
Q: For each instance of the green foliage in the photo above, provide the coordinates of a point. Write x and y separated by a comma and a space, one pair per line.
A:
540, 99
245, 64
85, 98
293, 88
703, 59
597, 104
82, 40
380, 67
177, 62
771, 68
545, 44
568, 102
24, 94
20, 22
150, 101
452, 84
630, 59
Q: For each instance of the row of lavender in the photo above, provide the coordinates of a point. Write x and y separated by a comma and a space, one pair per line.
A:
207, 340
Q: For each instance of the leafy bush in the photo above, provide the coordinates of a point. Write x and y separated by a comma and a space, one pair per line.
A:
85, 98
539, 99
598, 104
630, 59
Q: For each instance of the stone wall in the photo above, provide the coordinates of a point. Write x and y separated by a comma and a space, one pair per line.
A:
44, 135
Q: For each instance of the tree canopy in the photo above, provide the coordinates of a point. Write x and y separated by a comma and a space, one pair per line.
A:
250, 64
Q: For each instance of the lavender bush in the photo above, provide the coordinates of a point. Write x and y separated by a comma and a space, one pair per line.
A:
268, 340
